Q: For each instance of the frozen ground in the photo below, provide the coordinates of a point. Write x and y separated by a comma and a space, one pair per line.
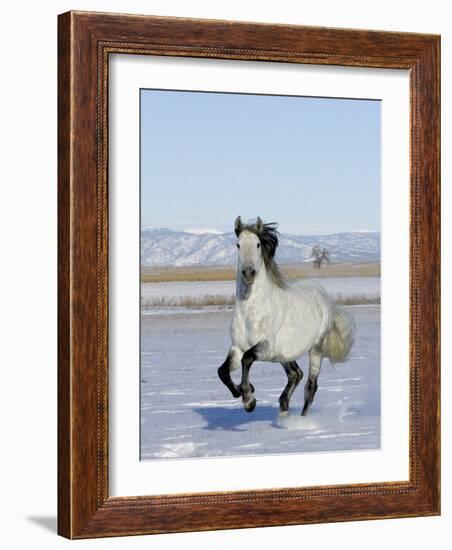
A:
187, 412
337, 287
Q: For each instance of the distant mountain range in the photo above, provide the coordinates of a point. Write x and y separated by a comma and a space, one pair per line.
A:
165, 247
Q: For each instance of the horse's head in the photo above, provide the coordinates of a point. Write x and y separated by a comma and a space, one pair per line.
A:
256, 243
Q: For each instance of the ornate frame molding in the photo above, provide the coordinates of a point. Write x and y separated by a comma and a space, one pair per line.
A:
85, 42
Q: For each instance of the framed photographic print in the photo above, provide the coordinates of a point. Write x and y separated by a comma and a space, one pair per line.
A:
248, 275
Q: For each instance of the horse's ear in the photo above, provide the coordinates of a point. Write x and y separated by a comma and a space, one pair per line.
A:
238, 225
259, 225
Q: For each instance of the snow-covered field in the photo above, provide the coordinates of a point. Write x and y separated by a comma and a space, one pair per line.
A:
177, 292
187, 412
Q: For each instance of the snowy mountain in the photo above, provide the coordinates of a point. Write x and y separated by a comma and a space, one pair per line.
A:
161, 247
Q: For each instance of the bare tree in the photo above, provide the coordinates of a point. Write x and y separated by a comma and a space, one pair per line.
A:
320, 256
316, 255
325, 257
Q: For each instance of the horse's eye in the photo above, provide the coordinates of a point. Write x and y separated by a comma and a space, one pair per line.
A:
258, 245
238, 246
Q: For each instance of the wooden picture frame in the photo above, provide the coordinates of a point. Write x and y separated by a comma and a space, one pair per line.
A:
85, 42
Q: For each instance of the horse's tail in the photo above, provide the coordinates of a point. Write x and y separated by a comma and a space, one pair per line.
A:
338, 342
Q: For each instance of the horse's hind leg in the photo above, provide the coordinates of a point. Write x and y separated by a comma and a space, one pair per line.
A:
224, 372
294, 376
315, 362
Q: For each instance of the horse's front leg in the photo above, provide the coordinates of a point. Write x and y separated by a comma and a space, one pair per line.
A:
256, 353
232, 362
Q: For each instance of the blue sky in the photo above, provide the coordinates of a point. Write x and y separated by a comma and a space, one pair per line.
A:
311, 164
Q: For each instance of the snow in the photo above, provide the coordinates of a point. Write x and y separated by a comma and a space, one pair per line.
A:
187, 412
203, 231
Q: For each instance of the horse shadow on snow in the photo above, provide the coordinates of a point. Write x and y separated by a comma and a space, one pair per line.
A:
226, 418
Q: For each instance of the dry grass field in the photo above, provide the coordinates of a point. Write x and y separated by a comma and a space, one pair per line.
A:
302, 271
221, 301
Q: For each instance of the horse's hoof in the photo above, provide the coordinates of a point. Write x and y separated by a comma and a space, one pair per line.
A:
250, 405
283, 413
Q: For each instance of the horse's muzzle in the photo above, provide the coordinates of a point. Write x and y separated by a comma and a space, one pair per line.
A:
248, 275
